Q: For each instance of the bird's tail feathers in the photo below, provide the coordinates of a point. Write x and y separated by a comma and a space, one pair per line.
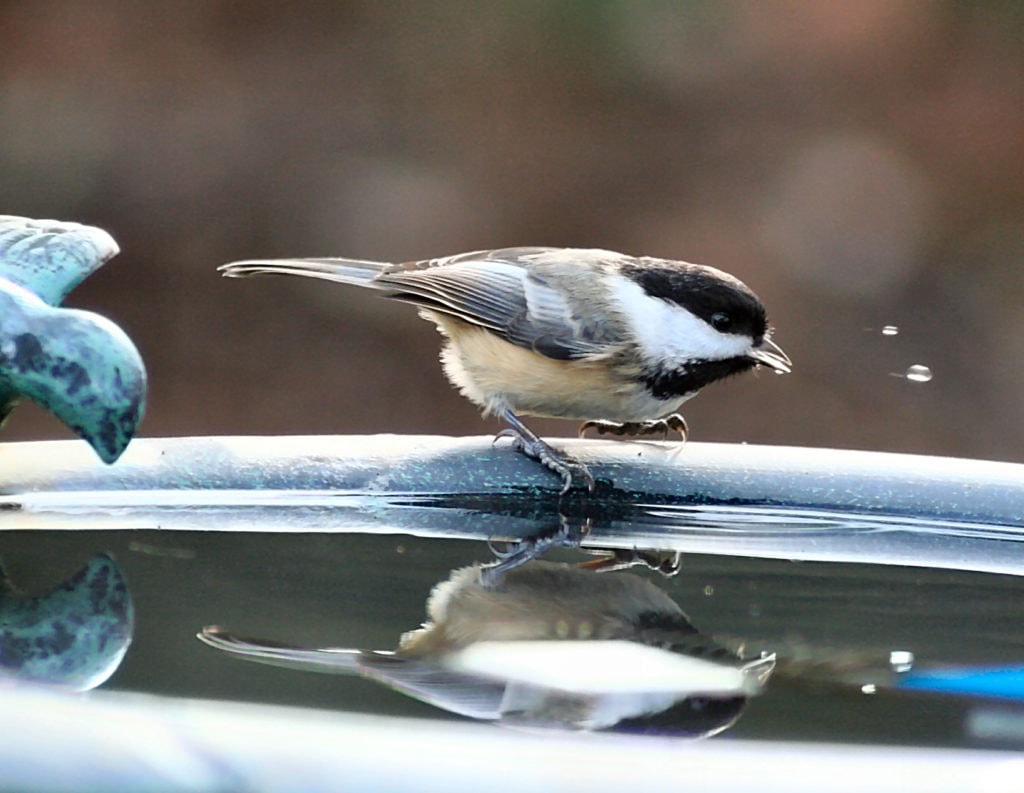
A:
346, 271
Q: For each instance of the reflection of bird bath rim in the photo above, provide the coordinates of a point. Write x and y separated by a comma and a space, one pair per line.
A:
746, 500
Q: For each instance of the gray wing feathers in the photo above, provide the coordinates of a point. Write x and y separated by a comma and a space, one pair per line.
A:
501, 290
504, 298
488, 294
551, 327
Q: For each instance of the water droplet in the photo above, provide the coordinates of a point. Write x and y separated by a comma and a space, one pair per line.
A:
918, 373
901, 661
890, 330
709, 590
869, 688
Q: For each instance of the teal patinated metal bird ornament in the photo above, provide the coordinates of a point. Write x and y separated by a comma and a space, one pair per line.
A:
76, 364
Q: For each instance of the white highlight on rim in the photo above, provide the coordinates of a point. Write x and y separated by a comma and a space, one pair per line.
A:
668, 333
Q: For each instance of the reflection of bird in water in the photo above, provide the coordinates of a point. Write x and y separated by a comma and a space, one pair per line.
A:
549, 645
547, 601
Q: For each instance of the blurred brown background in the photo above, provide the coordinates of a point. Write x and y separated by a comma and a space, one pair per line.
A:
858, 164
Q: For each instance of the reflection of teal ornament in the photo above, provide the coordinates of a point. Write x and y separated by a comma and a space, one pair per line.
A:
76, 364
75, 635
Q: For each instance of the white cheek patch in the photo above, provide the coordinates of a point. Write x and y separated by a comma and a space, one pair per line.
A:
670, 334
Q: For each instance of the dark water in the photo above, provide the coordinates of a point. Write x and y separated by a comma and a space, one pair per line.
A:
831, 625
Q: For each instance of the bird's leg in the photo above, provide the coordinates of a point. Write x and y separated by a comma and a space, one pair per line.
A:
528, 443
568, 533
673, 423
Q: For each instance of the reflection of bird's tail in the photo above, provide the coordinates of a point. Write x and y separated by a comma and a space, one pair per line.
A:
346, 271
326, 659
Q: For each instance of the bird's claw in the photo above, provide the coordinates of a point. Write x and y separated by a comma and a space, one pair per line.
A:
515, 554
573, 473
668, 563
673, 423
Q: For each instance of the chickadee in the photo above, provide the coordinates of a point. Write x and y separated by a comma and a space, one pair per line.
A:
616, 341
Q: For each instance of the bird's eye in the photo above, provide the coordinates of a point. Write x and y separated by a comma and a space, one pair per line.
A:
721, 321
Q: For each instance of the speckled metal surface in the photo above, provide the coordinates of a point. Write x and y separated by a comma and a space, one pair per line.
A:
74, 635
76, 364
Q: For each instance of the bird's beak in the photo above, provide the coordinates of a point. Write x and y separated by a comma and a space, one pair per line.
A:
771, 355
